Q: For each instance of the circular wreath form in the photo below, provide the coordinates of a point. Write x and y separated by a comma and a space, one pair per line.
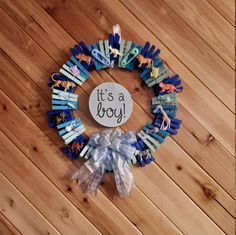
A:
112, 150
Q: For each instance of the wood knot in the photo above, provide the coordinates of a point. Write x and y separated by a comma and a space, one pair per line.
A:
11, 202
99, 12
209, 191
179, 168
209, 139
35, 149
137, 89
64, 213
4, 107
68, 188
85, 199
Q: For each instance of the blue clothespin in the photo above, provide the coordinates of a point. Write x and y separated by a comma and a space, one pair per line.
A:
58, 117
57, 80
81, 48
149, 52
163, 73
167, 99
63, 100
74, 149
149, 141
114, 46
84, 74
171, 83
174, 125
73, 73
154, 132
68, 126
128, 54
101, 55
85, 153
71, 135
144, 156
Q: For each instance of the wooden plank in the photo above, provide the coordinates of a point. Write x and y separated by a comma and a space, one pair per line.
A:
18, 209
226, 8
193, 216
40, 191
187, 46
204, 19
6, 227
144, 219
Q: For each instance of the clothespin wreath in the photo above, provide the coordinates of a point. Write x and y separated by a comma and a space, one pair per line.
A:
112, 150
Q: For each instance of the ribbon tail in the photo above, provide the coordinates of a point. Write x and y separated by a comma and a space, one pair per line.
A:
123, 176
82, 175
91, 174
95, 179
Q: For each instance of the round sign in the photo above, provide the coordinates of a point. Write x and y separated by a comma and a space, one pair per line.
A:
110, 104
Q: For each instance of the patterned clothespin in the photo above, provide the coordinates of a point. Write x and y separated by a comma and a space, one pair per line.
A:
63, 100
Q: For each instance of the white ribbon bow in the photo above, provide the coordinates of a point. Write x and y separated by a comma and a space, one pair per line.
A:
109, 148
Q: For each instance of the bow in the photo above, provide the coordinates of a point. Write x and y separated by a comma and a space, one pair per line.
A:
109, 148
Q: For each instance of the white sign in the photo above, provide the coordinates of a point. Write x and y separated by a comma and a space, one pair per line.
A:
110, 104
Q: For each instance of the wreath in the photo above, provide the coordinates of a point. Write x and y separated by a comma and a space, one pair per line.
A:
112, 150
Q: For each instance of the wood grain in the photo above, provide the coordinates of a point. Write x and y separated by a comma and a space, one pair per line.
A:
193, 172
226, 8
6, 227
18, 209
204, 19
